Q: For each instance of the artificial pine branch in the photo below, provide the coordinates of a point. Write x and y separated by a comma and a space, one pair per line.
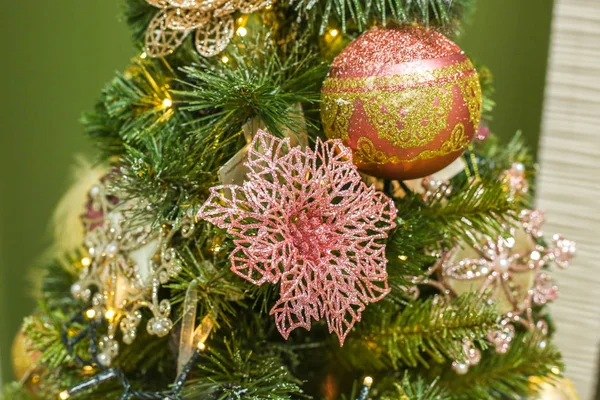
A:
260, 80
362, 14
481, 206
135, 104
138, 14
486, 81
505, 376
218, 289
391, 335
242, 369
494, 156
58, 276
426, 227
42, 335
168, 173
412, 389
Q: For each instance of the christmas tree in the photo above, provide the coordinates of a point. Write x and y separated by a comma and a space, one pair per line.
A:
297, 200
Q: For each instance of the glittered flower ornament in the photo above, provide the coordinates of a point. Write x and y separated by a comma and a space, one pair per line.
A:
509, 268
211, 19
304, 219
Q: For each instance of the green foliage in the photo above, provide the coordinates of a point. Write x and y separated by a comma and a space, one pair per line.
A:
234, 370
419, 333
56, 306
428, 226
42, 333
412, 389
486, 80
362, 14
132, 108
218, 290
260, 80
58, 276
504, 375
494, 156
138, 14
481, 206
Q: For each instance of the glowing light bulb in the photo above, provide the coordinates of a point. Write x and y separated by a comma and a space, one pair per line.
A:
86, 261
201, 346
167, 102
555, 370
368, 381
109, 314
334, 32
269, 7
64, 395
90, 314
225, 59
403, 257
241, 31
143, 55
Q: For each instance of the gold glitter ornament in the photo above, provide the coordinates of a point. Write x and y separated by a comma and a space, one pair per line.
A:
23, 360
126, 266
25, 365
211, 19
406, 100
561, 389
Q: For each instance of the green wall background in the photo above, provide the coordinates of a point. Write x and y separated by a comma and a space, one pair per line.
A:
56, 56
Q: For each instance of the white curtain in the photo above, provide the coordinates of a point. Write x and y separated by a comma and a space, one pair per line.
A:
569, 181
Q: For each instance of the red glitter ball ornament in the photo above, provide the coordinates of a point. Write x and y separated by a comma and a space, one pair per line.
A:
406, 100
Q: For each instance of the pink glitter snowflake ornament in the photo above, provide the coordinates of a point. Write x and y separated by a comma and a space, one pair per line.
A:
304, 219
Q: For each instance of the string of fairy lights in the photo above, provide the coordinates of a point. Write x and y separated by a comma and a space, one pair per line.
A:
110, 374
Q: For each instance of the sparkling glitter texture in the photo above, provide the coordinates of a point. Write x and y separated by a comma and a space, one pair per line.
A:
304, 219
406, 100
211, 19
126, 266
378, 49
509, 271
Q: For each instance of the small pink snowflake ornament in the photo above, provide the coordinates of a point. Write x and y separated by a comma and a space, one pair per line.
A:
304, 219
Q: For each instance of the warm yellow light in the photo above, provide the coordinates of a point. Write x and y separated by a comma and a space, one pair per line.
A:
334, 32
64, 395
240, 20
201, 346
555, 370
109, 314
225, 59
167, 102
143, 55
88, 369
91, 313
368, 381
403, 257
86, 261
269, 7
241, 31
35, 379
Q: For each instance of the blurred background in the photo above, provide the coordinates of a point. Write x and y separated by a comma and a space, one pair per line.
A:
56, 56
